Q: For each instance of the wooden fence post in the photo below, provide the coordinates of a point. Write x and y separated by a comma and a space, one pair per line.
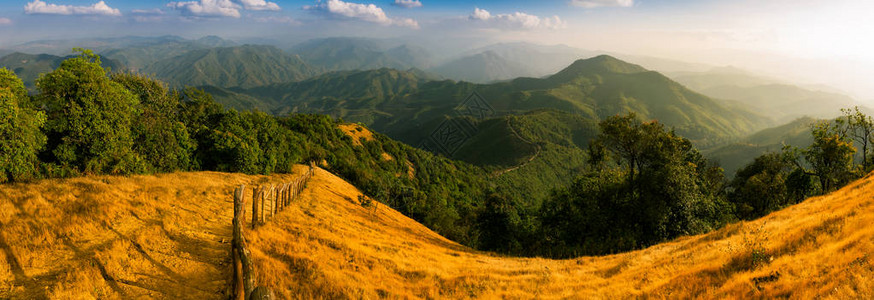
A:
254, 207
243, 272
263, 193
275, 201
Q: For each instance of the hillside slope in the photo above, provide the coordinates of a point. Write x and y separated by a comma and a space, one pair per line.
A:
241, 66
330, 246
167, 236
107, 237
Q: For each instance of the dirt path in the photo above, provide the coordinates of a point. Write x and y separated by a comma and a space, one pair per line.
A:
162, 236
530, 159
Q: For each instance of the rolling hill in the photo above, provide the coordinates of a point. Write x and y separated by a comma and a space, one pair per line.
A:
241, 66
407, 107
774, 98
137, 56
484, 67
734, 156
552, 117
167, 236
785, 102
344, 54
29, 66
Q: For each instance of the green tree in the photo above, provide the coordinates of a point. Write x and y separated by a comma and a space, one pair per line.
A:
659, 187
89, 118
161, 139
830, 156
20, 135
761, 187
861, 130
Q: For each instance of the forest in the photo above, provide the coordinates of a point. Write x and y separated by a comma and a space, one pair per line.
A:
642, 182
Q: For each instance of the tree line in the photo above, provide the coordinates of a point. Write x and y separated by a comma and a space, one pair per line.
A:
643, 183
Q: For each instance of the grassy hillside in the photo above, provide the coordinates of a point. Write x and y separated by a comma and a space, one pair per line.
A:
328, 245
104, 237
242, 66
168, 236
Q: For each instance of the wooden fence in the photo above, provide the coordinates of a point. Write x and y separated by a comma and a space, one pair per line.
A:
267, 201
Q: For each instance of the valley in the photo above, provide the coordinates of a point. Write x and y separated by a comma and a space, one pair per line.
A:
417, 149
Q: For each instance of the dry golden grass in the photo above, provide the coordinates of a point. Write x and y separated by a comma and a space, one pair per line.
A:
168, 236
357, 132
103, 237
327, 245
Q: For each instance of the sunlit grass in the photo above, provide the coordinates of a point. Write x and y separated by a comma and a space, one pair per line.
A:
168, 236
105, 237
327, 245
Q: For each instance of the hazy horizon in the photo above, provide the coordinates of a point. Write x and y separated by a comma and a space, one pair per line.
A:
808, 41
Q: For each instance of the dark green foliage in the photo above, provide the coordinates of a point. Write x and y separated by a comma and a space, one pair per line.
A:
775, 180
638, 183
659, 188
761, 187
159, 137
831, 155
29, 67
89, 118
444, 195
499, 224
20, 135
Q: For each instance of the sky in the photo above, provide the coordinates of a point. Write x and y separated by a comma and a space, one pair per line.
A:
813, 41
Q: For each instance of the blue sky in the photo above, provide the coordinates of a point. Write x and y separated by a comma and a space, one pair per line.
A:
746, 33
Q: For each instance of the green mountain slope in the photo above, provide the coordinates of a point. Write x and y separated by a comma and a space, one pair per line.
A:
242, 66
29, 66
407, 107
140, 54
343, 54
533, 132
785, 102
736, 155
481, 68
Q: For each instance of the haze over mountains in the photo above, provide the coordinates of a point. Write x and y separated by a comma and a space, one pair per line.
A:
407, 92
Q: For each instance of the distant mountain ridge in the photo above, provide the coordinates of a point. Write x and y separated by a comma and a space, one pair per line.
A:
482, 68
407, 107
241, 66
344, 54
30, 66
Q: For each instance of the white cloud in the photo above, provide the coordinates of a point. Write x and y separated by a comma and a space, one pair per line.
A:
364, 12
99, 8
5, 21
602, 3
408, 3
480, 14
259, 5
515, 21
208, 8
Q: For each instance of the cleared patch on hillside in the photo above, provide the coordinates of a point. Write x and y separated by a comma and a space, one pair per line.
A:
328, 245
111, 237
357, 133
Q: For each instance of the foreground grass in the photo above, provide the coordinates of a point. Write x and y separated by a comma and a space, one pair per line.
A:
328, 245
102, 237
168, 236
